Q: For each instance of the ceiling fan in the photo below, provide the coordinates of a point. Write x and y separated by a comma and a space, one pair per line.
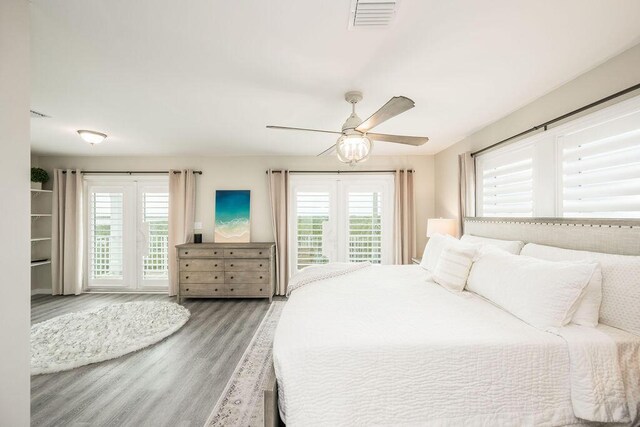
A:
355, 141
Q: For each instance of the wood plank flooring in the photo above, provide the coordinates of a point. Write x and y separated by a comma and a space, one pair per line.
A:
173, 383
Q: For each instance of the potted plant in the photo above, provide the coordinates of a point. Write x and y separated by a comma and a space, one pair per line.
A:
39, 176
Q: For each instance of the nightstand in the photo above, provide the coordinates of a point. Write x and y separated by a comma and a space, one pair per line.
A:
416, 260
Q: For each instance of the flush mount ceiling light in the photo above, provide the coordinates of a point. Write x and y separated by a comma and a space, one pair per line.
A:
355, 142
92, 137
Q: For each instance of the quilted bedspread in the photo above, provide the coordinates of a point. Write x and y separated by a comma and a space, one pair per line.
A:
386, 346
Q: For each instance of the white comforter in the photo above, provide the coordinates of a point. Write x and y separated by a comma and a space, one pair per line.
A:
385, 346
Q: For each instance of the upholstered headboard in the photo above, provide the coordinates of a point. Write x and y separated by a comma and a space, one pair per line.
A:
620, 237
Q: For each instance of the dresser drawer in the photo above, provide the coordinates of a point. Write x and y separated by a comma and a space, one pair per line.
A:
246, 253
199, 253
246, 277
201, 264
201, 277
202, 289
247, 289
246, 265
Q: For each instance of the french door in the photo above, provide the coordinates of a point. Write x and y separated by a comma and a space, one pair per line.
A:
126, 234
343, 218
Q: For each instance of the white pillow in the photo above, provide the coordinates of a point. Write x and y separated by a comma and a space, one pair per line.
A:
454, 264
433, 249
620, 287
511, 246
544, 294
588, 311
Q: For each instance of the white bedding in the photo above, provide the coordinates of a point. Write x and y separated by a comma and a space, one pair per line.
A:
385, 346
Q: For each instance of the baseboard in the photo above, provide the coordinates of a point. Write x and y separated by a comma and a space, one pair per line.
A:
44, 291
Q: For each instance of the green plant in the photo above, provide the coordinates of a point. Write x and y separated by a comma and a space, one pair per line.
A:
39, 175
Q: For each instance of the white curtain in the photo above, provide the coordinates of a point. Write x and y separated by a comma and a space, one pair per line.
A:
67, 233
279, 200
466, 189
405, 218
182, 210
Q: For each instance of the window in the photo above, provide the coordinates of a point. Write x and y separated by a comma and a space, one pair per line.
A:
340, 218
126, 234
587, 168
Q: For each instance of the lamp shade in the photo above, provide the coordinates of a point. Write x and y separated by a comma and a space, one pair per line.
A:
441, 226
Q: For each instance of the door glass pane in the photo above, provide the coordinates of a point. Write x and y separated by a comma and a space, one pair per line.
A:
365, 227
156, 220
312, 214
106, 234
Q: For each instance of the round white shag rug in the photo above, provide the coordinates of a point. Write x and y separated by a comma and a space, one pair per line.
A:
76, 339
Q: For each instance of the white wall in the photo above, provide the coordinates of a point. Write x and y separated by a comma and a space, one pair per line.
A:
614, 75
248, 173
14, 219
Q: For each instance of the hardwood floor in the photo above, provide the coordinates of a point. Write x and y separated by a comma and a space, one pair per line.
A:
175, 382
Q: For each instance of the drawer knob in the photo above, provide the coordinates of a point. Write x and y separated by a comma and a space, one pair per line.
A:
215, 253
216, 289
230, 253
232, 289
186, 253
215, 265
260, 253
260, 265
187, 277
187, 265
216, 277
260, 289
231, 277
231, 265
261, 277
187, 289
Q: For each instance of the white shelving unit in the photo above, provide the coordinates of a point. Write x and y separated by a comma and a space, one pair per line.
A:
41, 204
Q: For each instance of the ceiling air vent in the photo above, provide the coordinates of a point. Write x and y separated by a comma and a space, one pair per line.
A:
36, 115
371, 13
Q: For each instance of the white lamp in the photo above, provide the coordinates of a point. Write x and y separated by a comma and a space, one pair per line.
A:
441, 226
353, 148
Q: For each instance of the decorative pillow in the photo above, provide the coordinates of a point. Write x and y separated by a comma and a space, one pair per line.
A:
452, 269
620, 283
511, 246
542, 293
432, 251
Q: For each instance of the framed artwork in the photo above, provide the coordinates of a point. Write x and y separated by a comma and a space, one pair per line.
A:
233, 216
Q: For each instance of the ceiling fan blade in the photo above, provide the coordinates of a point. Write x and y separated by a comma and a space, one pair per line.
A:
393, 107
400, 139
328, 150
303, 129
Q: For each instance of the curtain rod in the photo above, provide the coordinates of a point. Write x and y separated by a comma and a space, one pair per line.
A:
127, 172
559, 118
341, 172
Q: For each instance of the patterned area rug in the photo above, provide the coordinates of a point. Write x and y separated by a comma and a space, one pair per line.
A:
241, 401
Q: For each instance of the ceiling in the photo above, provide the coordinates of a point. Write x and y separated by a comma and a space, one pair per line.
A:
204, 77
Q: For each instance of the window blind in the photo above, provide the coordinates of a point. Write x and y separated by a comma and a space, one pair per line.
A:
365, 226
106, 235
312, 212
601, 169
155, 212
507, 184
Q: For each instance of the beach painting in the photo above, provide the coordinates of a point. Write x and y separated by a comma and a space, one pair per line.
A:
233, 216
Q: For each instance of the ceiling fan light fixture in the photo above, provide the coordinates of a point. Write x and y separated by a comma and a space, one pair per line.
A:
92, 137
353, 148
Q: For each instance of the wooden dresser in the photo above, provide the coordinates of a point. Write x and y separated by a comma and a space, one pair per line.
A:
226, 270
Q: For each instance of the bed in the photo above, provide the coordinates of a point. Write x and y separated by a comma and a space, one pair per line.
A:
385, 345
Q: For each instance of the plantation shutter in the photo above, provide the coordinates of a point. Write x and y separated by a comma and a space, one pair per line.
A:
600, 169
106, 227
155, 211
364, 226
312, 215
506, 184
